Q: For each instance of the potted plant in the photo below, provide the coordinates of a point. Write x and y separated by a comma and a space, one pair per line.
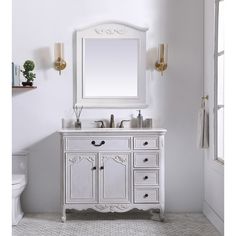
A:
27, 73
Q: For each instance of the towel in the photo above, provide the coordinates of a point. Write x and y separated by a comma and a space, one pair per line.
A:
203, 128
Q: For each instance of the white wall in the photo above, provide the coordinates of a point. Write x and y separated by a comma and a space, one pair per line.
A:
174, 99
213, 170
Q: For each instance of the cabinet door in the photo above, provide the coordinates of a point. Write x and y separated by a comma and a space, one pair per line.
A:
114, 177
80, 182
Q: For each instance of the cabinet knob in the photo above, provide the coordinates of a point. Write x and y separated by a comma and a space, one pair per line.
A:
94, 168
146, 177
145, 143
102, 167
98, 145
145, 160
145, 195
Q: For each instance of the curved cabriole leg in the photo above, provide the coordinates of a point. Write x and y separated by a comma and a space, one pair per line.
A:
162, 215
63, 217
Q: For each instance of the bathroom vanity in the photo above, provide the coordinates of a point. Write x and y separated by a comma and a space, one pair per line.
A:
112, 170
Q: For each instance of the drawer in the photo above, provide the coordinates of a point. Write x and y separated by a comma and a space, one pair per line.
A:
146, 195
150, 177
149, 142
147, 159
97, 143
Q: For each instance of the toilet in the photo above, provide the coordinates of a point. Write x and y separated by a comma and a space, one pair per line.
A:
19, 182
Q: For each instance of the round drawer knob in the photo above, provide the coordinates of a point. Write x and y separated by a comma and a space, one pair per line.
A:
145, 143
102, 167
146, 177
94, 168
145, 195
145, 160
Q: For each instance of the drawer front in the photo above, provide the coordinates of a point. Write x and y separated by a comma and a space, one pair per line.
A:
146, 195
149, 142
146, 177
146, 159
97, 143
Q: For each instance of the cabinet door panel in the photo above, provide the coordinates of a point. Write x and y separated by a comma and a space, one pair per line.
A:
114, 177
80, 178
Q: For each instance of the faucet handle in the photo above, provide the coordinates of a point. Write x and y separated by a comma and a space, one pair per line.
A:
121, 123
101, 122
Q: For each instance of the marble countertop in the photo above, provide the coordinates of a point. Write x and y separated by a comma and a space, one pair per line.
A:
108, 130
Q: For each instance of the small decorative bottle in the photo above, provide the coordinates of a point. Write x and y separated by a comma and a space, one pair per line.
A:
77, 111
139, 119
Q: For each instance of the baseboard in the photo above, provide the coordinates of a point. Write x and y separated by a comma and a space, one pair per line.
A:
213, 217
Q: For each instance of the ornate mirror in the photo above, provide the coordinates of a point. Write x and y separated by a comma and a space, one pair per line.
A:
110, 66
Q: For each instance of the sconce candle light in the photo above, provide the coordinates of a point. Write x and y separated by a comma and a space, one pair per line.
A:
161, 63
59, 63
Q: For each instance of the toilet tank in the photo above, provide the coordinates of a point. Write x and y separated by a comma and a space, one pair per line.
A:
20, 163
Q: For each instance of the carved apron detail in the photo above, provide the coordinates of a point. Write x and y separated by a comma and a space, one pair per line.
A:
112, 207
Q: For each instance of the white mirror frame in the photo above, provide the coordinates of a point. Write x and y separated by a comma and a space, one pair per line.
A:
111, 30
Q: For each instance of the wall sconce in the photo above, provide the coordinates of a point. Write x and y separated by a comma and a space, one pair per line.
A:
161, 63
59, 63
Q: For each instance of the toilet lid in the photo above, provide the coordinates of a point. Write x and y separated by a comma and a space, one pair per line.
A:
17, 179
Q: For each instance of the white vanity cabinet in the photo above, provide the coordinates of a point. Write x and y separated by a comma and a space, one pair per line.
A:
112, 170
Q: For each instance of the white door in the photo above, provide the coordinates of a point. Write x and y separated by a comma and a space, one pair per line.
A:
114, 177
81, 172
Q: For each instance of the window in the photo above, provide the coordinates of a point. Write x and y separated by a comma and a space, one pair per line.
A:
219, 80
